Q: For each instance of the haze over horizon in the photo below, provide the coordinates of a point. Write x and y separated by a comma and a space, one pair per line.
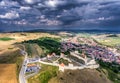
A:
23, 15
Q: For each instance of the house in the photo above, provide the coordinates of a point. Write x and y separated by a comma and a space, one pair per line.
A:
32, 68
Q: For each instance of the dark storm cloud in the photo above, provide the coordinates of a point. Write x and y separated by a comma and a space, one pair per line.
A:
82, 13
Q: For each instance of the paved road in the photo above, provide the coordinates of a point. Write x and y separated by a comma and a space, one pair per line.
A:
23, 69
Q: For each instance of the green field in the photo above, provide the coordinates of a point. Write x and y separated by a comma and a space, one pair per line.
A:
85, 35
6, 39
45, 74
109, 41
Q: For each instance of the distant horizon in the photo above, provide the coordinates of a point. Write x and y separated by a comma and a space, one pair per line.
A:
63, 30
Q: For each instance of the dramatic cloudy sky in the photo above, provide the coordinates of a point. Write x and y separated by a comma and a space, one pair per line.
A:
59, 14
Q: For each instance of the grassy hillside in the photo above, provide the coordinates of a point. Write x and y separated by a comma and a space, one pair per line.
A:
13, 56
10, 56
80, 76
111, 70
48, 44
50, 74
45, 74
33, 50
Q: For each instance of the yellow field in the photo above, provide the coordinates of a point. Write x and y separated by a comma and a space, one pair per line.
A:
110, 41
8, 73
19, 37
10, 53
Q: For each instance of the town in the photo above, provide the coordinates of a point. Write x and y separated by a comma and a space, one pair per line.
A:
73, 55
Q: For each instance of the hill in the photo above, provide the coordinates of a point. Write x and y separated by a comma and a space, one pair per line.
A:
80, 76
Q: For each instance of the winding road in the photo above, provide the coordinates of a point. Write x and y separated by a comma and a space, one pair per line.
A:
23, 68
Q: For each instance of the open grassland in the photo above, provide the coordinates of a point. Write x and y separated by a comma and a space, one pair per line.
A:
107, 39
111, 41
45, 74
20, 37
85, 35
8, 73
